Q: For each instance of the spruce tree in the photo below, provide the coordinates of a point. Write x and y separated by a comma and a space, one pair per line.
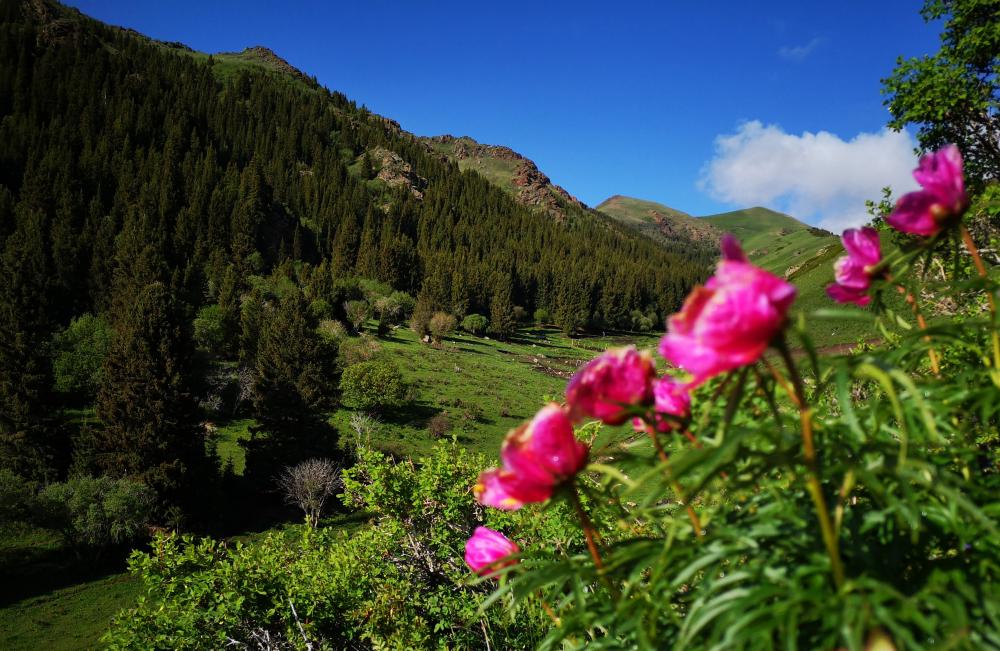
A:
502, 323
150, 421
27, 443
294, 376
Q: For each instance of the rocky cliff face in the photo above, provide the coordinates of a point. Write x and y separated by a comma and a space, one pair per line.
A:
396, 172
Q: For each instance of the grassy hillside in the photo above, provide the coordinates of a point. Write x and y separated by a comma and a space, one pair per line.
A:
484, 386
642, 213
674, 229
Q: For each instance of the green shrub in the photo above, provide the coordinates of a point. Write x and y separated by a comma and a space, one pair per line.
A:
209, 329
15, 496
440, 325
95, 512
372, 385
320, 309
397, 583
475, 324
80, 352
543, 316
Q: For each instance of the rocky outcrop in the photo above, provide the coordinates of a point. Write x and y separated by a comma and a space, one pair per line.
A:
396, 172
530, 186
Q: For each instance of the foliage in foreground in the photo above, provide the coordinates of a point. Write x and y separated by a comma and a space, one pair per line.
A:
397, 582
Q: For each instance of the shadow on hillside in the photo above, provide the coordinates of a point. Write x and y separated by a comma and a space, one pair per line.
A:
411, 414
32, 570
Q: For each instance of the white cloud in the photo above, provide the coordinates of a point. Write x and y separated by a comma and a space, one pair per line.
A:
815, 177
800, 52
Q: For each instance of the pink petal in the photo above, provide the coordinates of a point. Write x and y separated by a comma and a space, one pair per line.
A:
486, 549
862, 244
843, 294
914, 214
940, 173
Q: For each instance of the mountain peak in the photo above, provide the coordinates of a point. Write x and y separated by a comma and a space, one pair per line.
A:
268, 58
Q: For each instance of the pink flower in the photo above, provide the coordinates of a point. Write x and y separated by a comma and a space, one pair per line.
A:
609, 384
854, 272
943, 197
537, 457
672, 398
730, 321
486, 550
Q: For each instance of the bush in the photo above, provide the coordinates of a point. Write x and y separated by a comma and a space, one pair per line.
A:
441, 324
209, 330
439, 426
372, 385
332, 330
397, 583
96, 512
80, 352
357, 313
542, 316
475, 324
355, 351
321, 310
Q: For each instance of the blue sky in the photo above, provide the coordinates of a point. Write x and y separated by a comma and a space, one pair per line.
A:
608, 97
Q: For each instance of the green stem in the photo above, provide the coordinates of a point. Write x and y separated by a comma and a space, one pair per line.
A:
977, 260
591, 535
809, 452
692, 514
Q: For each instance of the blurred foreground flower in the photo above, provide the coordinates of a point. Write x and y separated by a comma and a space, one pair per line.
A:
671, 398
942, 199
730, 321
854, 272
537, 457
486, 550
607, 386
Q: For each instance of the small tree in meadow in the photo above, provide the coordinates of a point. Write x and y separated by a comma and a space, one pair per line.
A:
309, 485
441, 324
374, 384
357, 313
475, 324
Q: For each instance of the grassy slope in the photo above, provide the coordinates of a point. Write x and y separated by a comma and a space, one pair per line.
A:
498, 171
636, 212
486, 387
49, 599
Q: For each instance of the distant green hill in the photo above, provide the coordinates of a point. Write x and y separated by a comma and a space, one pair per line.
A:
674, 229
778, 242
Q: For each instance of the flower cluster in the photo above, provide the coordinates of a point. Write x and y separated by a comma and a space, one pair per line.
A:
942, 199
725, 324
926, 212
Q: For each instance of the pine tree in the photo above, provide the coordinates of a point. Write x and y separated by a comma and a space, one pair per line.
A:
150, 422
294, 373
502, 323
27, 444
